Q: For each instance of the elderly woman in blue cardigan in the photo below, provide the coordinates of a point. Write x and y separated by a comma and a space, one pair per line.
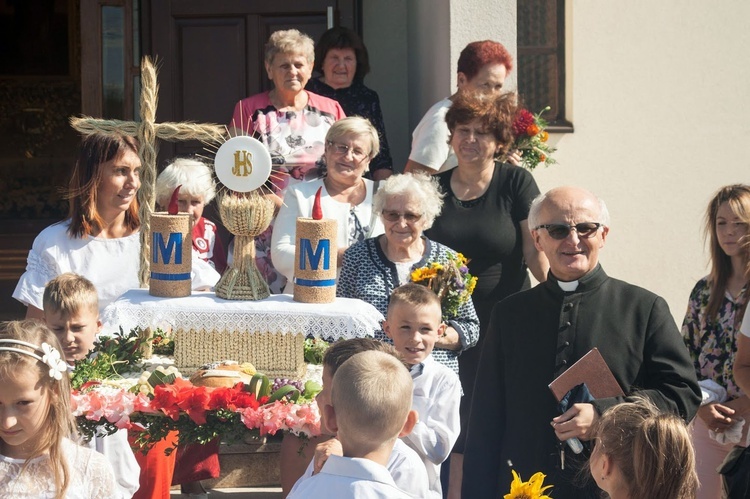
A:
372, 269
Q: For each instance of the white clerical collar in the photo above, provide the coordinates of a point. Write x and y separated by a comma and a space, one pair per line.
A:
568, 286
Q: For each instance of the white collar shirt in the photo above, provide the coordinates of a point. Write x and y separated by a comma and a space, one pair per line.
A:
437, 396
348, 477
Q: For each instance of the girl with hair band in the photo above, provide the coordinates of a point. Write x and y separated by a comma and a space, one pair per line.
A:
711, 328
38, 456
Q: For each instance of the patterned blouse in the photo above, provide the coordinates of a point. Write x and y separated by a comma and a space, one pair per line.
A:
367, 274
713, 345
358, 100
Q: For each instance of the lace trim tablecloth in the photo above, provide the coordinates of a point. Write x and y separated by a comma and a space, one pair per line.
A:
343, 319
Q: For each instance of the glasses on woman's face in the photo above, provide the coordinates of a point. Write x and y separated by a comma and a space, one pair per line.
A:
342, 149
395, 216
561, 231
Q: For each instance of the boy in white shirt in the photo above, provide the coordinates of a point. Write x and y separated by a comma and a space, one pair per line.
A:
370, 408
71, 311
414, 323
404, 464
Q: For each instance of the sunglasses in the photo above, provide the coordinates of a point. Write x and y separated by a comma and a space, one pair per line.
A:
561, 231
394, 216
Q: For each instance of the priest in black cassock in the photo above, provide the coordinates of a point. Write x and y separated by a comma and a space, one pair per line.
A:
535, 335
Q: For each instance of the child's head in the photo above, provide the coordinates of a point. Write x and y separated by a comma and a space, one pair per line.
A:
336, 355
370, 402
198, 186
35, 411
414, 322
643, 452
71, 311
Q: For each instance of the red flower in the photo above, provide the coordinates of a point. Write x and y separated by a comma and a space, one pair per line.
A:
195, 403
524, 119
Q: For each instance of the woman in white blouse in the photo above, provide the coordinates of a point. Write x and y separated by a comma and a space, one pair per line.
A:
346, 196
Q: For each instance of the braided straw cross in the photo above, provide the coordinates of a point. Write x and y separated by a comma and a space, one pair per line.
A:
147, 131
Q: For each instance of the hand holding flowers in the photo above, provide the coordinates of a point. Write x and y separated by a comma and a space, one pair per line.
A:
531, 138
450, 281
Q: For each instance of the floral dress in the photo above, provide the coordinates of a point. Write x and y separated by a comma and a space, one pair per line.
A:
296, 141
713, 344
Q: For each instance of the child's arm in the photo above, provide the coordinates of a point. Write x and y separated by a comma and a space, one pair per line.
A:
439, 422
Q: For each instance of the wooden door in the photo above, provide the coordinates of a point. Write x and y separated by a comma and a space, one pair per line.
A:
210, 53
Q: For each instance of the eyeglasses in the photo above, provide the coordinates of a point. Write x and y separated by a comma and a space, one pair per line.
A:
343, 149
395, 216
561, 231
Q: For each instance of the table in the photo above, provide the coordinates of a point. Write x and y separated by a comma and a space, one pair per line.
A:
268, 333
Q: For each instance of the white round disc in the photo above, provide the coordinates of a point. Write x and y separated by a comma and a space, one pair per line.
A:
242, 164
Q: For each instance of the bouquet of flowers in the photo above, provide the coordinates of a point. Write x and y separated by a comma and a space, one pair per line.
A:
163, 401
529, 131
450, 281
528, 490
111, 391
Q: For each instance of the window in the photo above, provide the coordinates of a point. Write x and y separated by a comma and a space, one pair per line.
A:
541, 59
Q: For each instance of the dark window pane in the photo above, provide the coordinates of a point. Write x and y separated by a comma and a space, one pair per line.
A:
537, 82
113, 62
537, 23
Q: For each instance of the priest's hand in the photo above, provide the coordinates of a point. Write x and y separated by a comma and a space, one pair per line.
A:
576, 422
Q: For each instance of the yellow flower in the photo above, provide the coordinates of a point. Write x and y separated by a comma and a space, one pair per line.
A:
527, 490
471, 285
436, 266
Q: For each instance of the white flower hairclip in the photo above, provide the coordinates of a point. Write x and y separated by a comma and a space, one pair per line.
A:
52, 358
51, 355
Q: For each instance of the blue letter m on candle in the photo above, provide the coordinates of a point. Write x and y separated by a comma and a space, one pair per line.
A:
306, 254
173, 245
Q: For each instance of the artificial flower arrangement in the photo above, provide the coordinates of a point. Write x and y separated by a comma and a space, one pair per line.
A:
530, 139
450, 281
528, 490
161, 401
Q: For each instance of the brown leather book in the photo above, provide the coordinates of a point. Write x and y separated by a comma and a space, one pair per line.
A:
592, 370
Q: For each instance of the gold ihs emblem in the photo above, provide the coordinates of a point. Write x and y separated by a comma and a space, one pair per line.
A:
243, 163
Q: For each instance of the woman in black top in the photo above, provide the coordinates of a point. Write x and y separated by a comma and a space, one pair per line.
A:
342, 61
484, 216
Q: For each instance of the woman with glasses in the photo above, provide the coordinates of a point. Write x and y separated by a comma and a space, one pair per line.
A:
484, 217
407, 205
712, 333
346, 196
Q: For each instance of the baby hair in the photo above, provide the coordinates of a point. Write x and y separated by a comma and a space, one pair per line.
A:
69, 293
22, 347
371, 396
194, 177
653, 450
343, 350
414, 295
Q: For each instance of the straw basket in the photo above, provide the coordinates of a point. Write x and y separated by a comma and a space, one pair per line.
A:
246, 217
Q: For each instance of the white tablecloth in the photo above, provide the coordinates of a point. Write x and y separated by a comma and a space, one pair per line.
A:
343, 319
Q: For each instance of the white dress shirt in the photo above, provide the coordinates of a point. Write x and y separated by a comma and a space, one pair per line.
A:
404, 465
348, 477
437, 396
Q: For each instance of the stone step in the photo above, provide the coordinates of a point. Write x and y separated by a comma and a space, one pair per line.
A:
248, 465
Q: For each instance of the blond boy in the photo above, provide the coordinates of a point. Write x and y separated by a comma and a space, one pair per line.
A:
404, 464
370, 408
71, 311
414, 323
